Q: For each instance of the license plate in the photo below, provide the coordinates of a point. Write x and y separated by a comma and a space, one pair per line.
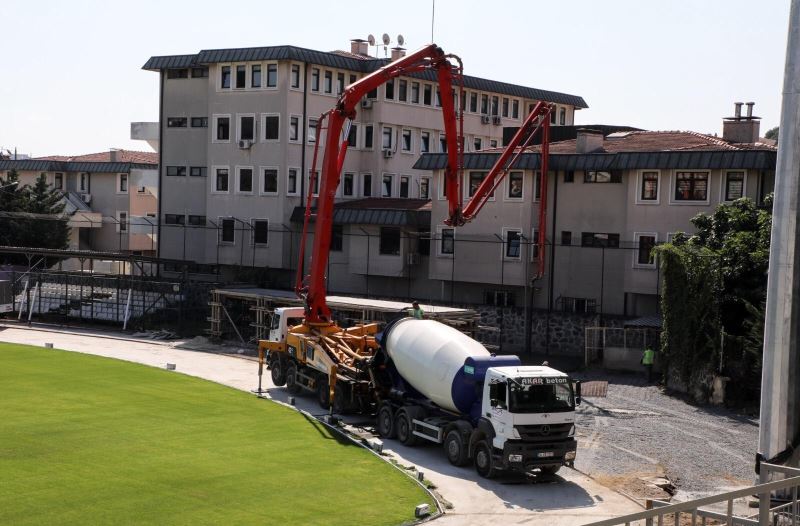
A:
545, 454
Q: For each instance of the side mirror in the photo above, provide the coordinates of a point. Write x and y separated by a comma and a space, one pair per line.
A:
578, 392
493, 402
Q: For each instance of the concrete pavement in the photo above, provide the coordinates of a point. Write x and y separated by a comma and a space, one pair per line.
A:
570, 498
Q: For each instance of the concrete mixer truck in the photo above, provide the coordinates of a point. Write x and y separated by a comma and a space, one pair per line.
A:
425, 381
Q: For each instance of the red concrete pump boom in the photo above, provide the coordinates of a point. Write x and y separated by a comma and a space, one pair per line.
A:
430, 57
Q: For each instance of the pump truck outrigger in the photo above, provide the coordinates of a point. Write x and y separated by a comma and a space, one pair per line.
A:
424, 380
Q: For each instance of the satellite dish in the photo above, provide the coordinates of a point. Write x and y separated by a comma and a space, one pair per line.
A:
400, 40
371, 40
386, 39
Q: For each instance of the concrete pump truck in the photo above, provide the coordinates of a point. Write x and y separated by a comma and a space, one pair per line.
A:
424, 381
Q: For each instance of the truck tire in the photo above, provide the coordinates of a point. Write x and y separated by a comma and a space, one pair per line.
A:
291, 379
549, 470
385, 421
484, 460
323, 393
455, 448
404, 427
278, 371
341, 399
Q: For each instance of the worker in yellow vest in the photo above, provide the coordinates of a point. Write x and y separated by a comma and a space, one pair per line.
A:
648, 358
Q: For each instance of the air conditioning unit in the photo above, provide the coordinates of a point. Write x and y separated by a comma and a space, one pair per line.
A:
412, 259
496, 120
485, 119
87, 198
366, 104
245, 144
387, 154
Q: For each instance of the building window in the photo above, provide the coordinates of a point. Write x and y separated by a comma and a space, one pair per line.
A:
223, 128
485, 104
176, 122
424, 142
314, 79
402, 90
388, 90
553, 117
197, 220
475, 180
442, 143
339, 83
291, 182
255, 76
477, 143
245, 180
403, 186
386, 187
493, 143
175, 219
494, 105
260, 230
328, 81
649, 191
199, 73
269, 181
312, 130
390, 241
122, 222
85, 182
447, 242
199, 122
294, 128
271, 127
122, 183
515, 182
691, 186
438, 98
505, 107
424, 188
373, 94
368, 136
241, 76
225, 77
313, 187
426, 94
415, 92
513, 242
58, 181
182, 73
295, 77
562, 116
221, 180
583, 305
644, 253
337, 238
596, 239
366, 185
348, 185
473, 102
176, 171
406, 140
592, 176
272, 75
734, 185
515, 109
352, 136
566, 238
197, 171
228, 231
386, 144
247, 128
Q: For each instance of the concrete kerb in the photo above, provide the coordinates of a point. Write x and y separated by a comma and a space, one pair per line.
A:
359, 442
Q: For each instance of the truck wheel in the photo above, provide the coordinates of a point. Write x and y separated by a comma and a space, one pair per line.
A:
484, 461
454, 448
405, 434
323, 393
386, 422
291, 379
278, 370
341, 399
549, 470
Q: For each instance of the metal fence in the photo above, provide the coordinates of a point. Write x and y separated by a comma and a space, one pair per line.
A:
618, 347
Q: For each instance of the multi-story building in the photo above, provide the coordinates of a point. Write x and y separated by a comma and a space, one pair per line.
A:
111, 197
610, 200
238, 132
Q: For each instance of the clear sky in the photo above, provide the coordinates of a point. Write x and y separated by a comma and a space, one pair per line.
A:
71, 79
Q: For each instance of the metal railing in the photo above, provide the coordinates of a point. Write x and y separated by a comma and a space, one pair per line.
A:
696, 513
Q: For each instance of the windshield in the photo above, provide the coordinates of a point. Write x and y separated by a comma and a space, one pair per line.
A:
551, 398
290, 322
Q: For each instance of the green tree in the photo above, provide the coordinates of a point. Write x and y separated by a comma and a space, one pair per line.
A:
41, 231
12, 201
772, 133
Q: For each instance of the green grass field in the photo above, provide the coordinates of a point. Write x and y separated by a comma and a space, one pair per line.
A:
89, 440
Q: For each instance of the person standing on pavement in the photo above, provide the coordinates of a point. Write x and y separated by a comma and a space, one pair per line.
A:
648, 358
416, 311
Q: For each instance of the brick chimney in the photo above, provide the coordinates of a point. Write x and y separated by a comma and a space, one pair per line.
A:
741, 128
112, 155
359, 46
589, 141
398, 52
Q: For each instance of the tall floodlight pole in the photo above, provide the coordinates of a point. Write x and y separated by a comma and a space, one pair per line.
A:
780, 376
